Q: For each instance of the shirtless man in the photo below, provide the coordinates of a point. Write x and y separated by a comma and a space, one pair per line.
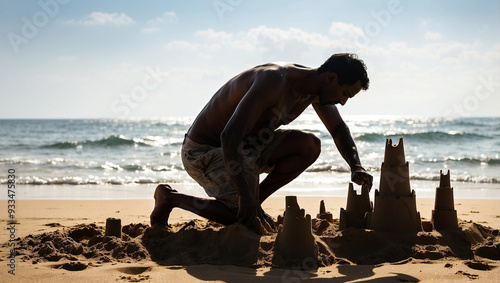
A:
236, 137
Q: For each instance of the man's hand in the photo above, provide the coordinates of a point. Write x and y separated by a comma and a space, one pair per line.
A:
360, 177
247, 207
250, 214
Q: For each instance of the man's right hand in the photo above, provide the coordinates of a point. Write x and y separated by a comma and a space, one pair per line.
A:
361, 177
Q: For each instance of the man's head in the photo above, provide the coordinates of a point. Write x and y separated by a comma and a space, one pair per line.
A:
344, 76
348, 68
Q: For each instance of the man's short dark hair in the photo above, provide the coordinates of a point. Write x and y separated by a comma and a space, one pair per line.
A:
348, 68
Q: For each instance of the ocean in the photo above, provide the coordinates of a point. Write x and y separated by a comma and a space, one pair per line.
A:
105, 154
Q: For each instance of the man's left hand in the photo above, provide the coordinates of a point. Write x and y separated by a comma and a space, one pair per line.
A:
361, 177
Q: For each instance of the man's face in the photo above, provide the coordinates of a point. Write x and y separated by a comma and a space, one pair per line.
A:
333, 93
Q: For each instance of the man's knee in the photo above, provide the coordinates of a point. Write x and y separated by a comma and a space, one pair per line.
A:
311, 146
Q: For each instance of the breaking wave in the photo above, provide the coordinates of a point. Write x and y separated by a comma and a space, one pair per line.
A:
111, 141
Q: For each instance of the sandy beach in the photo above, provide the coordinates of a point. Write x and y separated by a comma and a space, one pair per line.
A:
36, 217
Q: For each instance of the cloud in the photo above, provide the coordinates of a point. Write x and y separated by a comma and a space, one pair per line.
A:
210, 40
442, 59
167, 17
433, 35
265, 36
214, 40
340, 29
434, 51
100, 18
260, 38
154, 25
277, 43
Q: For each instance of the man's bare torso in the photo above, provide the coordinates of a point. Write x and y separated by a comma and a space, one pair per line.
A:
287, 102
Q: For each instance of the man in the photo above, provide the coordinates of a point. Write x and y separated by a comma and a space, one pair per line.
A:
236, 137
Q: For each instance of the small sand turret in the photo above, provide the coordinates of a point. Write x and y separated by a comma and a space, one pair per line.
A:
395, 204
357, 207
295, 243
444, 215
113, 227
323, 214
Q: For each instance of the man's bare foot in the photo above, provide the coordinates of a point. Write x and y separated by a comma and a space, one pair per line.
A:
163, 205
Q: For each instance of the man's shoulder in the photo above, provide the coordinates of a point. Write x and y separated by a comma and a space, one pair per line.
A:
272, 76
264, 74
268, 69
281, 70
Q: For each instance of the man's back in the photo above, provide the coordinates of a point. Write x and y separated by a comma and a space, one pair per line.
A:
275, 79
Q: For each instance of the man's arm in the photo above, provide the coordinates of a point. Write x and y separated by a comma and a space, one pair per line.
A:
263, 94
331, 118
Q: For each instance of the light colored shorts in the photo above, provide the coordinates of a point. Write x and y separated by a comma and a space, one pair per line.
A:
204, 163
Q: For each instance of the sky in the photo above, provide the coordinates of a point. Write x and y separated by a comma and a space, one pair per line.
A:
145, 59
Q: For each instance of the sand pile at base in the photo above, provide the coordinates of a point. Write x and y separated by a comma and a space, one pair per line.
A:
204, 242
361, 246
198, 242
83, 245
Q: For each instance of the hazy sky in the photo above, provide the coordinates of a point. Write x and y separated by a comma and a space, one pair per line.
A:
99, 59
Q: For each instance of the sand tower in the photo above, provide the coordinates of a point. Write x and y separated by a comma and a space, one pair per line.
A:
444, 215
357, 207
323, 214
295, 244
395, 204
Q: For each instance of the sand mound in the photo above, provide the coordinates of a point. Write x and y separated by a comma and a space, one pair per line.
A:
204, 242
80, 243
199, 241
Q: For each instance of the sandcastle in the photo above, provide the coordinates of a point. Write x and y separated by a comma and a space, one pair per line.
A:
444, 215
356, 209
395, 208
295, 244
395, 204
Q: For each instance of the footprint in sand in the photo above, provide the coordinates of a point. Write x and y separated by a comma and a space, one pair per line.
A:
71, 266
478, 265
